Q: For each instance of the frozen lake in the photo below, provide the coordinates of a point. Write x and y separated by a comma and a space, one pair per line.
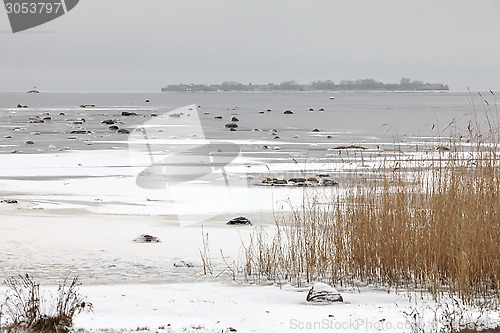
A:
77, 168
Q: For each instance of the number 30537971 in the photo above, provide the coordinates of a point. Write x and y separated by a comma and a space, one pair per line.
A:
33, 7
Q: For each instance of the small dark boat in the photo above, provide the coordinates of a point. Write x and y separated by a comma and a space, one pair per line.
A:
33, 91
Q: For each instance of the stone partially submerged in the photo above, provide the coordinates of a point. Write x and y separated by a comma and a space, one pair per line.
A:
321, 293
188, 262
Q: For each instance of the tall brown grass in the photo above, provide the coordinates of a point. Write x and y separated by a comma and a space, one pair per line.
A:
431, 223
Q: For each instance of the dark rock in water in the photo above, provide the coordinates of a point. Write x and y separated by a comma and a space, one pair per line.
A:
147, 101
232, 129
114, 128
47, 118
321, 110
35, 120
80, 132
62, 114
261, 112
79, 121
9, 201
315, 130
268, 110
288, 112
328, 136
218, 117
311, 109
87, 106
231, 125
239, 221
312, 180
22, 106
123, 131
280, 181
321, 293
154, 115
127, 113
108, 122
277, 138
29, 142
265, 147
234, 119
147, 239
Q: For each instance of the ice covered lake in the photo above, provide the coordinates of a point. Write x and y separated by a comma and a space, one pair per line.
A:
79, 203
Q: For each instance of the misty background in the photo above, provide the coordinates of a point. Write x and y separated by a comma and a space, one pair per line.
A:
124, 45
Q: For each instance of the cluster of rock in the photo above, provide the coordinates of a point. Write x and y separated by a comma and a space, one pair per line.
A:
114, 127
77, 126
9, 201
38, 120
319, 180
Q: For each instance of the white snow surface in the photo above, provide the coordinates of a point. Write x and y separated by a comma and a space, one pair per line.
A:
323, 287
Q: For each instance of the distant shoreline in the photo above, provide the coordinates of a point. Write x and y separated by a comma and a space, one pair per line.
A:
316, 86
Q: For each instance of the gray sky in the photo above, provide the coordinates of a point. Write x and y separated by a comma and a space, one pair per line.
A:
142, 45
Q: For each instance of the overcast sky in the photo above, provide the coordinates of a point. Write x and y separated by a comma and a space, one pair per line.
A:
142, 45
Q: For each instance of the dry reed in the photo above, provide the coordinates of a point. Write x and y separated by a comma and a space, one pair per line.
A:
431, 223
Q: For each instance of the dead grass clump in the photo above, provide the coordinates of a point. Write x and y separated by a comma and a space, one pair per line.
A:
28, 310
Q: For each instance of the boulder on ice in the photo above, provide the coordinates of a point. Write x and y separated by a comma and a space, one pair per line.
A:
321, 293
147, 239
239, 221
